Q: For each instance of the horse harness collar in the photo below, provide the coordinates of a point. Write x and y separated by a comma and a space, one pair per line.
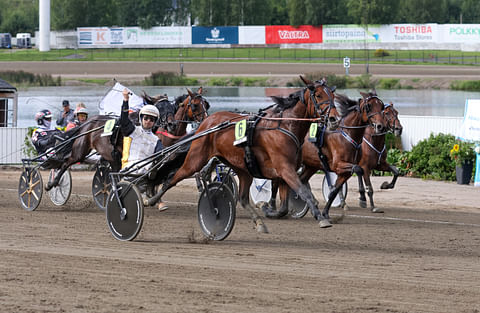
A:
380, 153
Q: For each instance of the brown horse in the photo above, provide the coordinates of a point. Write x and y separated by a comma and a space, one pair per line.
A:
191, 107
374, 157
89, 137
277, 138
339, 149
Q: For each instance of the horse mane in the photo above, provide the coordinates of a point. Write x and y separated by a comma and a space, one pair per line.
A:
283, 103
344, 104
180, 99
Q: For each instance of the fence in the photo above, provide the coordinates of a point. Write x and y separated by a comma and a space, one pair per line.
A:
415, 128
11, 144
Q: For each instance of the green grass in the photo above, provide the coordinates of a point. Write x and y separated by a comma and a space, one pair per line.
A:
268, 54
470, 85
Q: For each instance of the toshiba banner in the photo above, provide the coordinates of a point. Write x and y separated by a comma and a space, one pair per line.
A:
279, 34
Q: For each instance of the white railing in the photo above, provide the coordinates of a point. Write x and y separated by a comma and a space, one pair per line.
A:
415, 128
11, 144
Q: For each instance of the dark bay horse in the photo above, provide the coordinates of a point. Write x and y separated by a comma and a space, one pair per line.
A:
339, 150
193, 107
92, 138
277, 138
190, 107
374, 157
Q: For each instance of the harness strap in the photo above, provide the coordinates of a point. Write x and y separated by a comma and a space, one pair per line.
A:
356, 145
375, 149
167, 134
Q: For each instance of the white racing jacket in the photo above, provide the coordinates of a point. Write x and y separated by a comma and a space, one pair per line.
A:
137, 146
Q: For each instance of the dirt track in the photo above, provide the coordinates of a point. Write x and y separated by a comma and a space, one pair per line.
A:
422, 255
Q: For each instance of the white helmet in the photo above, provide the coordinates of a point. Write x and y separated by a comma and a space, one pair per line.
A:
148, 110
81, 111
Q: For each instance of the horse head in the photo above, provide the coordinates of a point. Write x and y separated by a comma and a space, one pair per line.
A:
165, 108
320, 101
372, 109
391, 119
196, 105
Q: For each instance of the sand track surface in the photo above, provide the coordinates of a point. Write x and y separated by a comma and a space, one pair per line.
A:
421, 255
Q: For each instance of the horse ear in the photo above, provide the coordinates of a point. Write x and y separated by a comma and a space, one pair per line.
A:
373, 92
190, 93
306, 81
200, 90
147, 98
364, 95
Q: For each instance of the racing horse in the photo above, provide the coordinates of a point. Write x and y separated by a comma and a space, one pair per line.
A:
338, 150
276, 140
193, 108
190, 107
374, 157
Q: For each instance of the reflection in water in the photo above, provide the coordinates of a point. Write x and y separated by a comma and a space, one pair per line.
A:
408, 102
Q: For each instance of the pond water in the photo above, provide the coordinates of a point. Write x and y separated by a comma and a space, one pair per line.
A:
407, 102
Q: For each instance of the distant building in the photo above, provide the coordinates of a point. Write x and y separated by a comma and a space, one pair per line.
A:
8, 105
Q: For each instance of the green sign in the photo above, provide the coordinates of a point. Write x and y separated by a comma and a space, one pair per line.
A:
108, 128
240, 132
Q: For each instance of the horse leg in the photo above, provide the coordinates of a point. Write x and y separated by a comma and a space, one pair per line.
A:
341, 178
284, 190
370, 195
271, 206
361, 190
395, 172
62, 170
245, 181
291, 178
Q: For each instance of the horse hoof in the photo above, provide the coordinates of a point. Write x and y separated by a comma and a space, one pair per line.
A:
324, 223
385, 185
363, 204
262, 228
145, 202
48, 186
377, 210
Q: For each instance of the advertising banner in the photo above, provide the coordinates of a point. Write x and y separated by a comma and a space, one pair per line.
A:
251, 35
470, 129
215, 35
133, 36
462, 33
284, 34
350, 34
416, 33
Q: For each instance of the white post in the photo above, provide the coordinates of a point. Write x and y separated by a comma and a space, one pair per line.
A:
44, 27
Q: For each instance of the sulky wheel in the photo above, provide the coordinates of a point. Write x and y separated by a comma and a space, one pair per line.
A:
30, 189
101, 186
230, 181
60, 194
296, 206
326, 189
216, 211
125, 223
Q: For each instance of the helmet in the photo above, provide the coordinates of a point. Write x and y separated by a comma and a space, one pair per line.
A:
149, 110
42, 115
81, 111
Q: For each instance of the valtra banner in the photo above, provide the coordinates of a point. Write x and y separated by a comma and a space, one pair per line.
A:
278, 34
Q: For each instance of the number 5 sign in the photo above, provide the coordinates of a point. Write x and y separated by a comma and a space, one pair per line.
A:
346, 62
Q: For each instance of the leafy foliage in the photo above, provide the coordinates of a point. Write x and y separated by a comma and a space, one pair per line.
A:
169, 79
462, 152
29, 79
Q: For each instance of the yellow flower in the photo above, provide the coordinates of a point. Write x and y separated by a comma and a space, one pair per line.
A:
456, 147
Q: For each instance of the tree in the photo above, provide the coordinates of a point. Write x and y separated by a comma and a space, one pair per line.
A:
296, 12
470, 10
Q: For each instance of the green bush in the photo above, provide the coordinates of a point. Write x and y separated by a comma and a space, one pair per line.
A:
169, 79
381, 53
29, 79
389, 83
332, 80
471, 85
364, 81
430, 158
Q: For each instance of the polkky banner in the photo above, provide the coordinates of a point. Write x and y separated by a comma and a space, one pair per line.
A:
282, 34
